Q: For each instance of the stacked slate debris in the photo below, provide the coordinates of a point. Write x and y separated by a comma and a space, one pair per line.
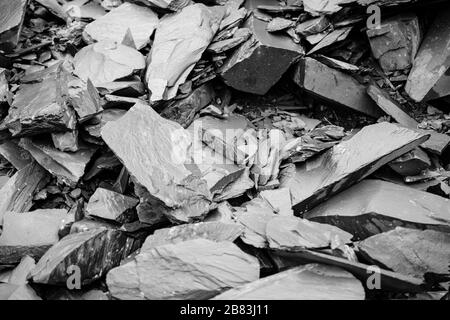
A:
224, 149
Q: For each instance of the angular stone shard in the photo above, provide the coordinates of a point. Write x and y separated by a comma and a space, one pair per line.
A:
293, 233
17, 194
12, 14
154, 150
396, 42
313, 26
146, 211
84, 98
334, 86
16, 155
331, 38
277, 53
429, 78
279, 199
19, 276
409, 252
180, 40
41, 107
111, 205
94, 252
214, 231
113, 26
309, 282
17, 292
375, 206
411, 163
348, 162
66, 141
195, 269
107, 61
388, 280
68, 167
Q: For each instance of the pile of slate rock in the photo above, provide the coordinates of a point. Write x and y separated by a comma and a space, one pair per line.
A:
224, 149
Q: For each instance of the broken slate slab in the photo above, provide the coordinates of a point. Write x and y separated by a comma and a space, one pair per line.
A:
16, 155
12, 14
67, 167
277, 52
334, 86
396, 41
141, 21
309, 282
17, 194
94, 252
180, 40
195, 269
154, 150
111, 205
293, 233
107, 61
429, 77
375, 206
41, 107
411, 163
348, 162
214, 231
408, 251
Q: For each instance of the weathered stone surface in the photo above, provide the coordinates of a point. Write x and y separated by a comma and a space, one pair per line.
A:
375, 206
293, 233
36, 228
396, 42
17, 194
313, 26
180, 40
107, 61
277, 53
429, 77
68, 167
334, 86
279, 199
214, 231
17, 292
348, 162
309, 282
41, 107
113, 26
66, 141
408, 251
16, 155
388, 280
111, 205
195, 269
411, 163
94, 252
12, 14
147, 212
154, 150
94, 126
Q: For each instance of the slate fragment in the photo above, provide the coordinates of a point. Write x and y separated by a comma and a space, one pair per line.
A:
12, 14
396, 42
67, 141
375, 206
16, 155
94, 252
313, 26
107, 61
214, 231
67, 167
41, 107
19, 276
309, 282
408, 251
334, 86
113, 26
180, 40
111, 205
84, 98
154, 150
195, 269
242, 70
171, 5
17, 194
345, 164
293, 233
411, 163
429, 78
